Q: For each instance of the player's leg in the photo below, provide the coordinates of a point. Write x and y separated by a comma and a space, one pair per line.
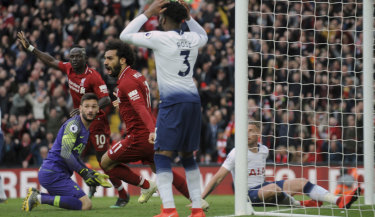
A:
190, 139
63, 193
100, 139
319, 193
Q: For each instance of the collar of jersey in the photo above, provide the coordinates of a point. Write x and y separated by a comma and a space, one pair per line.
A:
123, 72
179, 31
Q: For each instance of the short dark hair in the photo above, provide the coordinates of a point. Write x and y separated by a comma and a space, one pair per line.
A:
176, 11
255, 123
123, 50
89, 96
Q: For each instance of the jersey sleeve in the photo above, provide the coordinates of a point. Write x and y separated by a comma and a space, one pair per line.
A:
131, 35
64, 67
230, 160
69, 138
133, 92
98, 85
195, 27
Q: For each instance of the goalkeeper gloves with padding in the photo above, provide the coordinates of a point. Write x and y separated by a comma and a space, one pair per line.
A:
93, 178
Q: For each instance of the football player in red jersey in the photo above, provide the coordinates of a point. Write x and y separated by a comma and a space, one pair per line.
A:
135, 110
83, 79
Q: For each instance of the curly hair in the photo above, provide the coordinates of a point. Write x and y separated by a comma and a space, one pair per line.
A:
176, 11
123, 50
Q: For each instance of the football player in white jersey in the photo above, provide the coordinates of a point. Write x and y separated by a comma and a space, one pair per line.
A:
281, 192
179, 119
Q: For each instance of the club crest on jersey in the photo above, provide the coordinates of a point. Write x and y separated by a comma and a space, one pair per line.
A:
82, 90
148, 35
133, 95
137, 75
73, 128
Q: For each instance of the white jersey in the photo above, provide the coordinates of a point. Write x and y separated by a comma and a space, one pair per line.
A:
256, 165
175, 56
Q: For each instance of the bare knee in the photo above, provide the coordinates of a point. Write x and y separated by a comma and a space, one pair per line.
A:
86, 203
270, 191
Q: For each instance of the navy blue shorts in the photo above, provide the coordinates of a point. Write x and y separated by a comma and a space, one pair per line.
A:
57, 183
253, 192
178, 127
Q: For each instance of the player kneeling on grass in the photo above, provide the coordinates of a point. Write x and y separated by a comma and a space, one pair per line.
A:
64, 158
280, 192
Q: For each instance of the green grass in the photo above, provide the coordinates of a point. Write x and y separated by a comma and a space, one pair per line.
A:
219, 206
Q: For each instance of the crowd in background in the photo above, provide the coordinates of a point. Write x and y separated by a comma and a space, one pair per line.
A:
304, 75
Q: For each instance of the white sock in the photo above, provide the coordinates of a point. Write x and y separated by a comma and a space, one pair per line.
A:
193, 183
3, 196
164, 182
320, 194
39, 196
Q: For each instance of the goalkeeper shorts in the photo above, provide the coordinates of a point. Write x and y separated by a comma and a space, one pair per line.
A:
57, 183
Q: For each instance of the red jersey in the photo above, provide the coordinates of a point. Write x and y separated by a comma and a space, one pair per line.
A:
135, 102
79, 84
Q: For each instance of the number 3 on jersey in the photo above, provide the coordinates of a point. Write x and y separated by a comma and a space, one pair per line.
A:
186, 62
100, 140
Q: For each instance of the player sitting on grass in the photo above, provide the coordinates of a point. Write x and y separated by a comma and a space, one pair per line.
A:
64, 158
280, 192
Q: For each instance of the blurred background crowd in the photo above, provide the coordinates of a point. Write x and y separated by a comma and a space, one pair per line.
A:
304, 75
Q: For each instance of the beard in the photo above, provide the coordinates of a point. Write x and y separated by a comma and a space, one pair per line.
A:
115, 70
87, 119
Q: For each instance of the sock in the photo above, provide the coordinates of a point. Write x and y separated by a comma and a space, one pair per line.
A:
180, 184
119, 186
164, 179
3, 196
124, 173
193, 180
66, 202
318, 193
288, 200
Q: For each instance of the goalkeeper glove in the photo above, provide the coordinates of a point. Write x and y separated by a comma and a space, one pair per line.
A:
89, 176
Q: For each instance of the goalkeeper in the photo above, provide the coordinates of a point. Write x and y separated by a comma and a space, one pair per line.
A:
280, 192
64, 158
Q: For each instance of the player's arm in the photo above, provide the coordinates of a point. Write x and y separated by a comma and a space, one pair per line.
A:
44, 57
130, 33
215, 181
194, 25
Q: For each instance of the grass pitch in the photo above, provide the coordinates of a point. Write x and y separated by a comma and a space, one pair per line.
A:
219, 206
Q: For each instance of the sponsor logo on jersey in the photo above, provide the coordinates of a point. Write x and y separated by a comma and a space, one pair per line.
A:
103, 88
257, 172
83, 81
137, 75
133, 95
74, 86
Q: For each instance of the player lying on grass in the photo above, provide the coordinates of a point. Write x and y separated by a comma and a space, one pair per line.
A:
64, 158
280, 192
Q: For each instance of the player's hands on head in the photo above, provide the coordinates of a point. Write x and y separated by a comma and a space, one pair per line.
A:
22, 39
187, 8
155, 8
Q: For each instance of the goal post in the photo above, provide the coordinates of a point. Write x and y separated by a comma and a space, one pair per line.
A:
368, 98
310, 82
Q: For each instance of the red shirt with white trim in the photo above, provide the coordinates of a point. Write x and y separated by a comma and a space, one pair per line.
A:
133, 93
88, 82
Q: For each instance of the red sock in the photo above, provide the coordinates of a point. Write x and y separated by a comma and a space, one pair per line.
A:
117, 184
180, 184
124, 173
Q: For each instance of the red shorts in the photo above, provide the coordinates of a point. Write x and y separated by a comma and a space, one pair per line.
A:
99, 133
132, 149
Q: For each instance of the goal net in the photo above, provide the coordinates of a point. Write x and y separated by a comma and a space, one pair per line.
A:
305, 69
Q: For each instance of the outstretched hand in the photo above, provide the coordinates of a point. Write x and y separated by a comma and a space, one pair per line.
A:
155, 8
22, 39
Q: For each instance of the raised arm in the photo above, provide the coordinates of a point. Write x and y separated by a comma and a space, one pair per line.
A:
215, 181
44, 57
